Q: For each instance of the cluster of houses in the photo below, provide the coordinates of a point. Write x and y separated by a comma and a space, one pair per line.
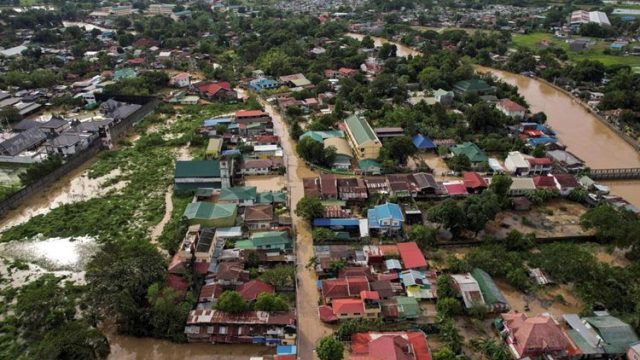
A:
31, 141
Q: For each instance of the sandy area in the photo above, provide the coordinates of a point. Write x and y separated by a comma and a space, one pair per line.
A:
265, 183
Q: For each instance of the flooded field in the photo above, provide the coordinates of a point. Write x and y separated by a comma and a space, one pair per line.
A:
555, 300
9, 173
53, 253
265, 182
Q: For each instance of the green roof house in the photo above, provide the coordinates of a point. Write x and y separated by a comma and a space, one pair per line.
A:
616, 335
362, 138
492, 295
268, 240
408, 307
272, 197
320, 136
472, 151
124, 73
194, 174
239, 195
210, 214
473, 86
370, 167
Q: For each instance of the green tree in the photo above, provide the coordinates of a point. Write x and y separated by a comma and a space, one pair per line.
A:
500, 185
279, 276
330, 348
445, 286
448, 214
271, 302
423, 236
9, 115
309, 208
479, 210
367, 42
459, 162
231, 302
398, 149
167, 314
444, 353
322, 235
448, 306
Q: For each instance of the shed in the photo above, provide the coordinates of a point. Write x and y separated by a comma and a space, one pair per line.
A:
492, 295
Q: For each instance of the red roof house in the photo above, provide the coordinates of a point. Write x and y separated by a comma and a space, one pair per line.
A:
474, 182
456, 189
544, 182
536, 336
217, 90
348, 307
250, 290
404, 345
343, 288
411, 256
136, 61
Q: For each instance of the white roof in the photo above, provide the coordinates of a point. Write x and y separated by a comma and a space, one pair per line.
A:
265, 148
518, 159
599, 17
14, 51
522, 183
494, 164
364, 227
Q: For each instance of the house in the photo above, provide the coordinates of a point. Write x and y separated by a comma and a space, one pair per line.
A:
473, 86
256, 167
425, 183
402, 185
68, 143
565, 183
407, 307
328, 186
272, 197
198, 245
363, 139
268, 240
231, 274
344, 156
343, 288
210, 214
423, 143
377, 185
180, 80
455, 188
193, 174
474, 182
369, 167
402, 345
294, 81
544, 182
419, 284
321, 136
566, 161
469, 289
517, 164
535, 337
411, 256
251, 289
30, 139
219, 90
444, 97
385, 218
257, 327
214, 148
239, 195
352, 189
601, 336
471, 151
247, 117
124, 73
521, 186
262, 84
348, 308
511, 108
259, 217
539, 166
493, 297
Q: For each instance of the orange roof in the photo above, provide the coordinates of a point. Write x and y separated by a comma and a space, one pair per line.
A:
347, 306
473, 180
411, 255
402, 345
250, 113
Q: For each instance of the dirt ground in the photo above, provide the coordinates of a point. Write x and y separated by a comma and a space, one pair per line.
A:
543, 301
556, 218
434, 161
265, 182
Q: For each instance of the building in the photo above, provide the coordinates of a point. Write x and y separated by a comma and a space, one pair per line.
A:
352, 189
411, 256
565, 183
539, 166
535, 337
197, 245
404, 345
295, 81
247, 117
474, 182
471, 151
239, 195
180, 80
210, 214
419, 284
161, 9
251, 289
580, 17
469, 289
262, 84
492, 295
423, 143
386, 133
268, 240
253, 327
214, 148
566, 161
193, 174
521, 186
259, 217
517, 164
344, 156
601, 336
444, 97
544, 182
343, 288
473, 86
511, 108
363, 139
219, 90
385, 218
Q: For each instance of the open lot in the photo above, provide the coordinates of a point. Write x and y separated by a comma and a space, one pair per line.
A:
265, 182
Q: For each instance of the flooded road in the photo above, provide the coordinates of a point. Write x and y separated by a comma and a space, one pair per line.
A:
310, 328
131, 348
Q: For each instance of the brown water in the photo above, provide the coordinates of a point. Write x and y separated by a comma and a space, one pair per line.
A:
265, 182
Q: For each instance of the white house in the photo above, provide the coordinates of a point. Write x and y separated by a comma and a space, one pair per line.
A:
517, 164
180, 80
511, 108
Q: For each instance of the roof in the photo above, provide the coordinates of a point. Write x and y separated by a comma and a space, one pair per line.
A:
344, 287
336, 222
617, 334
272, 197
390, 345
65, 140
347, 306
522, 183
326, 313
544, 182
473, 85
23, 141
250, 317
319, 136
238, 193
455, 188
270, 238
250, 290
536, 334
361, 130
214, 146
566, 180
212, 89
490, 291
341, 145
425, 180
197, 168
411, 255
259, 213
539, 161
470, 150
384, 211
564, 157
368, 164
473, 180
207, 210
408, 307
518, 159
423, 142
510, 105
250, 113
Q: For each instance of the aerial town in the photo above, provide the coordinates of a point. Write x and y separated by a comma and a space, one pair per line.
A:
280, 180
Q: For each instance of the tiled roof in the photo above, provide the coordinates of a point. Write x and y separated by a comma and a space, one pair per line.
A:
544, 182
347, 306
411, 255
405, 345
250, 290
539, 334
473, 180
258, 213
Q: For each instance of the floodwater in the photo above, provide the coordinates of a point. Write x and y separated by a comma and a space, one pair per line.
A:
131, 348
310, 328
265, 183
403, 50
73, 187
544, 301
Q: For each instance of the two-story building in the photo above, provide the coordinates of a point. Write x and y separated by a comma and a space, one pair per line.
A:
362, 138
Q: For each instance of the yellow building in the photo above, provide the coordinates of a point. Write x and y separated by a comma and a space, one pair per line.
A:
362, 138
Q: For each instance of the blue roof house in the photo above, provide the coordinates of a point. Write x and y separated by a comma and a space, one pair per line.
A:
385, 218
423, 143
262, 84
